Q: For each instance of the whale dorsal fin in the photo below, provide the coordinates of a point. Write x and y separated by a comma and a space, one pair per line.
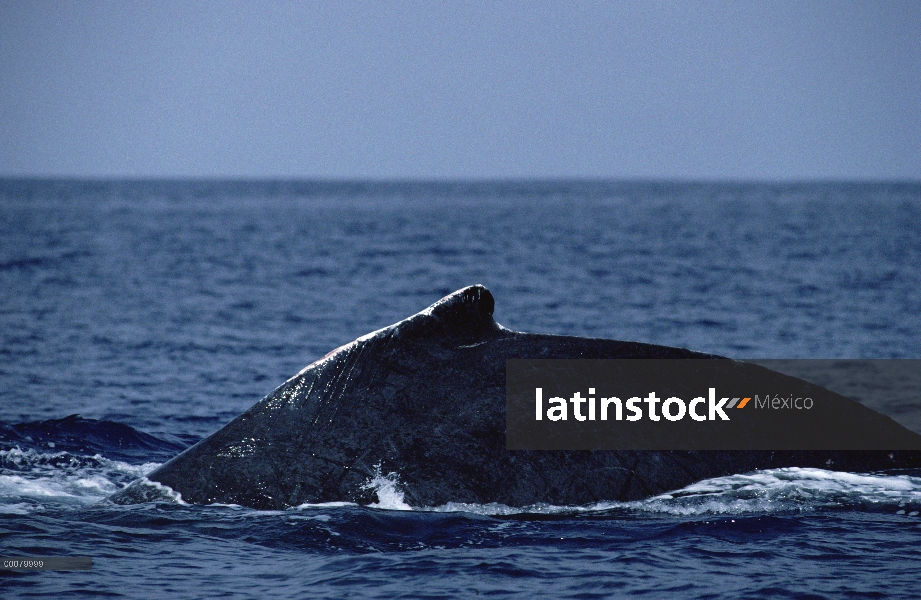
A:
470, 304
465, 314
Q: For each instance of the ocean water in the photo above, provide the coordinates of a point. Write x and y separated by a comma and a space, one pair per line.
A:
158, 311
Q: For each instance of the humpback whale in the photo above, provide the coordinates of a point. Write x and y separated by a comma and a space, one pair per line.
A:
426, 398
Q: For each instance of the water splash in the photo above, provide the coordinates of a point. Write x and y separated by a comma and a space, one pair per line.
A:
387, 488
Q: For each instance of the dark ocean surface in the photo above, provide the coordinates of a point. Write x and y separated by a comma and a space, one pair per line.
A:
158, 311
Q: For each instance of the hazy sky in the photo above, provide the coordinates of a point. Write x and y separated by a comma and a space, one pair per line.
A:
755, 90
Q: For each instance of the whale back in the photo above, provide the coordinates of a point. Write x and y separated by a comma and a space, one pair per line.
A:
425, 398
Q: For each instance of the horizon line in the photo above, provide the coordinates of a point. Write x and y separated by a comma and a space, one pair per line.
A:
455, 180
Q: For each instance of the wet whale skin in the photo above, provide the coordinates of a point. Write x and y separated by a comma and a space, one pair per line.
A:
425, 398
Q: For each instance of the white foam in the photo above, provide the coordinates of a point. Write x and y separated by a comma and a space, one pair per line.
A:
20, 508
17, 486
497, 510
308, 505
61, 477
164, 492
769, 491
788, 489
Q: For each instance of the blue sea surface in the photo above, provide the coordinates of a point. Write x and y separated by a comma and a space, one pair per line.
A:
160, 310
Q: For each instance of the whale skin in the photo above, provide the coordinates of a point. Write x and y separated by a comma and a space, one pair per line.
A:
425, 398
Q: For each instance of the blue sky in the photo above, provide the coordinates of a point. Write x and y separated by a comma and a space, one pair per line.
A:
683, 90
